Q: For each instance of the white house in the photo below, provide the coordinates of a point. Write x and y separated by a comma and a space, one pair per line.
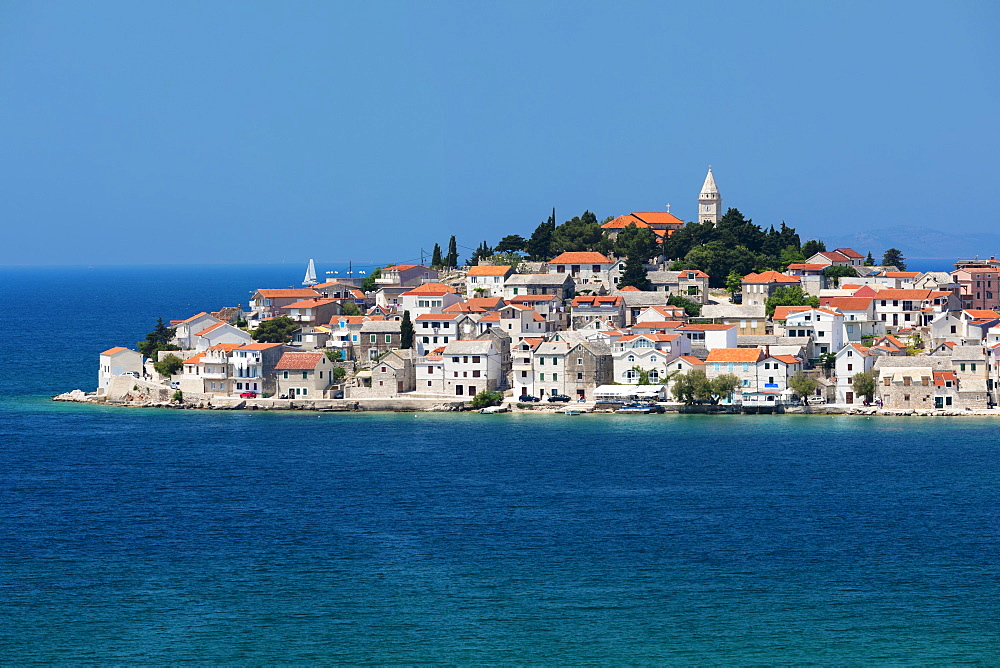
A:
117, 361
428, 298
852, 359
487, 280
471, 367
823, 326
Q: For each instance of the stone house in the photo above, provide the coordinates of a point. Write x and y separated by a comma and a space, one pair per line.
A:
376, 337
689, 283
405, 275
300, 375
560, 285
471, 367
587, 269
394, 374
758, 288
587, 309
572, 369
433, 330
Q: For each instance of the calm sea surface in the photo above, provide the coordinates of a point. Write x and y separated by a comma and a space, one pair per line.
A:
144, 536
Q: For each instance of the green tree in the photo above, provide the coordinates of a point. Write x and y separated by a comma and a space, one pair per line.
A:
334, 355
512, 258
350, 308
481, 253
869, 261
790, 255
369, 285
826, 362
734, 283
639, 242
719, 260
803, 384
789, 295
406, 332
179, 397
539, 246
338, 374
580, 233
275, 330
690, 307
169, 365
487, 398
635, 274
157, 340
692, 386
436, 261
835, 272
723, 386
512, 243
864, 384
642, 373
451, 260
894, 258
812, 247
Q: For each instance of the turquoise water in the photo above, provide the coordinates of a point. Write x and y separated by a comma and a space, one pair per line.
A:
144, 536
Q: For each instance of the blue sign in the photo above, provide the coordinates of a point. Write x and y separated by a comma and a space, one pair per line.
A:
774, 385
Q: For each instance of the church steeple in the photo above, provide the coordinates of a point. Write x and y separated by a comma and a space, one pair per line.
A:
709, 201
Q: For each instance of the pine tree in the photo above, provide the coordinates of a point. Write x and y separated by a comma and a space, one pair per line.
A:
869, 261
436, 256
406, 331
539, 245
452, 259
635, 275
894, 258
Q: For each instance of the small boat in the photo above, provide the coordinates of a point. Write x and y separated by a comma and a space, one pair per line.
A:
634, 408
490, 410
572, 411
310, 278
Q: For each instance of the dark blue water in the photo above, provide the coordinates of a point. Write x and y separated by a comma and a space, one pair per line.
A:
144, 536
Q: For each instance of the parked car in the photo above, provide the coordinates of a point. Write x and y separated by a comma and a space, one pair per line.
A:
249, 394
817, 400
338, 395
133, 374
175, 385
527, 397
558, 397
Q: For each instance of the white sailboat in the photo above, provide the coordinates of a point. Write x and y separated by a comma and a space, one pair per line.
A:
310, 278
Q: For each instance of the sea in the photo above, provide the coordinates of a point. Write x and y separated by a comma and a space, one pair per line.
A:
144, 536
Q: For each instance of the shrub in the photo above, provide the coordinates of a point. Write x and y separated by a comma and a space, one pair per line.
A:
169, 365
486, 398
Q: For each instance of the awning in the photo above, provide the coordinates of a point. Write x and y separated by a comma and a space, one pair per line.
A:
364, 374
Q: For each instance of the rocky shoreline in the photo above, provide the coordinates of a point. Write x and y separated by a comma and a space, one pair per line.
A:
140, 399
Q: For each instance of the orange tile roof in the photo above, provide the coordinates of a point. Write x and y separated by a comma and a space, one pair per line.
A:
849, 252
808, 267
911, 294
310, 303
981, 313
899, 274
431, 289
597, 301
941, 376
463, 307
226, 346
194, 359
531, 298
629, 288
288, 292
498, 270
209, 329
402, 267
487, 303
782, 312
770, 276
259, 346
438, 316
299, 361
196, 315
658, 324
851, 303
735, 355
697, 272
115, 350
704, 328
691, 360
787, 359
659, 218
621, 222
580, 258
490, 317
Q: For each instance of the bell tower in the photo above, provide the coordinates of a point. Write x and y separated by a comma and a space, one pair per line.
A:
709, 201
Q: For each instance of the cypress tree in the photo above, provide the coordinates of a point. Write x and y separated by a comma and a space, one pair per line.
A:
635, 275
452, 259
406, 332
436, 256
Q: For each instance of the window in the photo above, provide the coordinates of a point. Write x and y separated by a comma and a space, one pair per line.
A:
371, 338
541, 376
284, 374
475, 359
475, 373
555, 377
579, 375
579, 360
388, 338
305, 375
541, 361
973, 365
961, 367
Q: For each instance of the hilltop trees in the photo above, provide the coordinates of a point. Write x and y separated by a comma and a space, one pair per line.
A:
635, 274
512, 243
436, 260
638, 242
451, 260
540, 244
579, 233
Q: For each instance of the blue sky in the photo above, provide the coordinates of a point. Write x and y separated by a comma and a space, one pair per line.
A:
241, 132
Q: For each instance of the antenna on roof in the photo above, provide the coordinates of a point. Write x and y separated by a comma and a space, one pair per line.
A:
668, 207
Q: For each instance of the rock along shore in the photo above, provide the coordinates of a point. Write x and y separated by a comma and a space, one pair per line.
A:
144, 399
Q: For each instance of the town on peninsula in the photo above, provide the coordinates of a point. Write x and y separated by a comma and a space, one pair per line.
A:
641, 312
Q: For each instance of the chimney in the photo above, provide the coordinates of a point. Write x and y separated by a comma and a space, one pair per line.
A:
767, 350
